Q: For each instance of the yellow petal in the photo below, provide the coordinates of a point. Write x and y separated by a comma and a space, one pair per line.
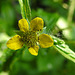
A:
36, 24
15, 43
23, 25
45, 41
34, 50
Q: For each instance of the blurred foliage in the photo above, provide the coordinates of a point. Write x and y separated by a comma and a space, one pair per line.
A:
49, 61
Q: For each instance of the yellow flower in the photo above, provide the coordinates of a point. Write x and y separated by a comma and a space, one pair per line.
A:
30, 36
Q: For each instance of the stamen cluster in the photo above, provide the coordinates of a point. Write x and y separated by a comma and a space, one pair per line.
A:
30, 38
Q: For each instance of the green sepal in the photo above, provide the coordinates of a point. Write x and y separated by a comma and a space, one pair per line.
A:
19, 32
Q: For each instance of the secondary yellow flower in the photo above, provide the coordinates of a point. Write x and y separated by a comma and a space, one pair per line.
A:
30, 36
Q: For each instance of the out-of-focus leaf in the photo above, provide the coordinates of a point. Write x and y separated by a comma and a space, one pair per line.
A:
54, 6
68, 67
48, 59
69, 33
7, 13
62, 23
7, 18
27, 56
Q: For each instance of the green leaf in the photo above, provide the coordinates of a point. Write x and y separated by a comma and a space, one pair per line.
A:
64, 49
25, 9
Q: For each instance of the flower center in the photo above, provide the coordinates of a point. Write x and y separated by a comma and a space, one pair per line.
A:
30, 38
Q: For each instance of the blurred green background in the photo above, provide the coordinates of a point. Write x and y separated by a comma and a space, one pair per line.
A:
60, 14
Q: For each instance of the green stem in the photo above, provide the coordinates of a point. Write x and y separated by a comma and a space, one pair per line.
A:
25, 10
22, 10
71, 11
